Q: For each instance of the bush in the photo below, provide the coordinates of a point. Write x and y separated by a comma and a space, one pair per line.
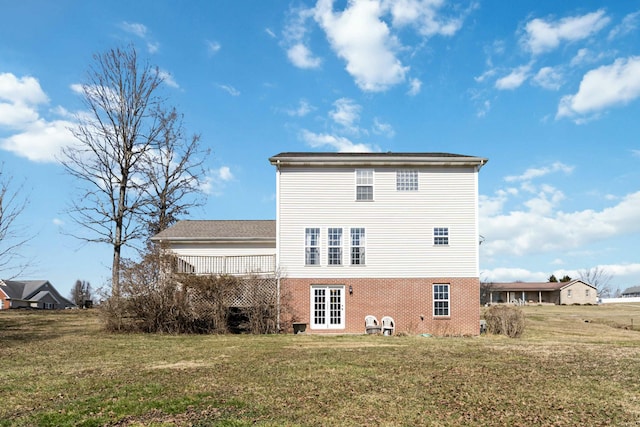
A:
153, 301
505, 320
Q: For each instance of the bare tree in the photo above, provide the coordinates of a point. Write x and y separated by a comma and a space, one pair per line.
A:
598, 277
173, 174
113, 141
12, 236
81, 293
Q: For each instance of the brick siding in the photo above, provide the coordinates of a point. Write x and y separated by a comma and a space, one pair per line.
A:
408, 301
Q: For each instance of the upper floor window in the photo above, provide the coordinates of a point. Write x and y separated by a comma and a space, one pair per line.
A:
357, 246
335, 246
441, 300
312, 246
441, 236
364, 184
407, 180
586, 292
569, 293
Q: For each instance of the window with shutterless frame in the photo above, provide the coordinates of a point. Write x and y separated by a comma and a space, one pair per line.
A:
441, 300
357, 246
334, 246
407, 180
364, 184
441, 236
312, 246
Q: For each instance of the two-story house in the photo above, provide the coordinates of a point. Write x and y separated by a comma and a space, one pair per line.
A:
358, 234
382, 234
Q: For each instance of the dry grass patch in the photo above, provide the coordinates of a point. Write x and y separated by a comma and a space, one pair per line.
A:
60, 369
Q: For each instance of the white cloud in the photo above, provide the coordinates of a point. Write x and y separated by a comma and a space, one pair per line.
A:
134, 28
214, 182
380, 128
543, 36
532, 173
36, 139
414, 87
364, 41
24, 90
548, 78
628, 25
57, 222
270, 33
635, 153
346, 113
302, 110
213, 47
168, 79
40, 141
337, 143
603, 87
229, 89
141, 31
505, 274
423, 14
514, 79
522, 232
301, 56
484, 108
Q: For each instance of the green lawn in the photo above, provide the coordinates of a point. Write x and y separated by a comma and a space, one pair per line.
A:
574, 366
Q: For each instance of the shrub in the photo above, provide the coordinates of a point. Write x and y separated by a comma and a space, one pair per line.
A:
505, 320
153, 300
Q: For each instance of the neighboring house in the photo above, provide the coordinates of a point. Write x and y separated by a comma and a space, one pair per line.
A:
357, 234
631, 292
573, 292
31, 294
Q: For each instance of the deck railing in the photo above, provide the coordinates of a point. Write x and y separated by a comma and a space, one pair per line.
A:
234, 265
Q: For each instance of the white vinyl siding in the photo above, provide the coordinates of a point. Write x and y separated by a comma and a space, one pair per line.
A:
399, 225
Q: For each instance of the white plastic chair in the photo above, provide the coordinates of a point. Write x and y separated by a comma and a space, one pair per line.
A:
388, 325
371, 324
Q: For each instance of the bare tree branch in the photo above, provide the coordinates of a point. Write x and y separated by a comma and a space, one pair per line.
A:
13, 236
598, 277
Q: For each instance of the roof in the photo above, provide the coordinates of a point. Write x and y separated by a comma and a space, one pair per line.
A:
32, 290
375, 159
221, 230
22, 289
533, 286
632, 290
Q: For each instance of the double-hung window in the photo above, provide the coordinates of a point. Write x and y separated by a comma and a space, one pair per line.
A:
441, 236
364, 184
357, 246
441, 300
312, 246
407, 180
334, 246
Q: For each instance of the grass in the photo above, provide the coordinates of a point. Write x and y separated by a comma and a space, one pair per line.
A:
573, 366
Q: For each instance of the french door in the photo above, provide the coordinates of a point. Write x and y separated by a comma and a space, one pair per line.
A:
327, 307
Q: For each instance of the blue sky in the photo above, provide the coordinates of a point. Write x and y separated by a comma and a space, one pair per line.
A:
548, 91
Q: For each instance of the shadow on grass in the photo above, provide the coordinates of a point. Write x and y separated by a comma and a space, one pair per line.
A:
37, 325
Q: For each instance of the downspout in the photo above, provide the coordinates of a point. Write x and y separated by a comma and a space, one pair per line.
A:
277, 245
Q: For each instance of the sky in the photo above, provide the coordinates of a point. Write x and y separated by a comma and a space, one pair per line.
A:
548, 91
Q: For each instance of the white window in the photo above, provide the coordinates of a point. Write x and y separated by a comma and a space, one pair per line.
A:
364, 184
440, 300
327, 307
407, 180
334, 254
48, 306
586, 292
312, 246
441, 236
357, 246
569, 293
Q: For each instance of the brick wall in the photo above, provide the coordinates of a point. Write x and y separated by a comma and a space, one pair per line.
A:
408, 301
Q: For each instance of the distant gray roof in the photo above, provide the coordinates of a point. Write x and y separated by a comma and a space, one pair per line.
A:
632, 290
532, 286
193, 230
382, 159
32, 290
